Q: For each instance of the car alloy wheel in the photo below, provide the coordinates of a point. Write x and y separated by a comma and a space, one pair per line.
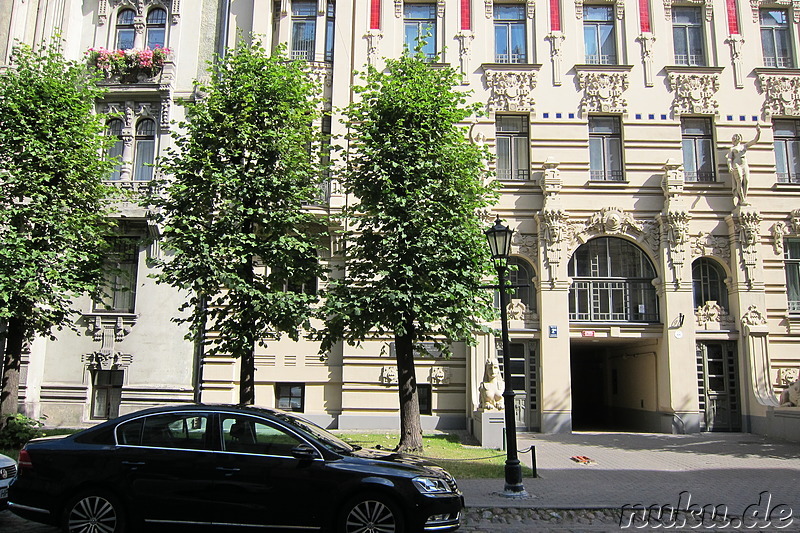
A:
372, 515
94, 513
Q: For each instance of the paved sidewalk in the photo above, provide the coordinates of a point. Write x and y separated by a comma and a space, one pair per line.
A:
739, 471
734, 471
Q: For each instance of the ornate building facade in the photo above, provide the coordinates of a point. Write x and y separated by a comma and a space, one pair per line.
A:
648, 154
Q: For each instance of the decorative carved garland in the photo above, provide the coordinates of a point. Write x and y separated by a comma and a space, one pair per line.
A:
694, 93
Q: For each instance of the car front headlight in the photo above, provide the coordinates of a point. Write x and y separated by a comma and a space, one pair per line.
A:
431, 485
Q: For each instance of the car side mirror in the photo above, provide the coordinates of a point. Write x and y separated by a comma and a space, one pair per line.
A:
304, 451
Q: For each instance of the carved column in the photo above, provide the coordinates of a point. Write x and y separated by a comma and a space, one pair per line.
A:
465, 38
556, 39
646, 39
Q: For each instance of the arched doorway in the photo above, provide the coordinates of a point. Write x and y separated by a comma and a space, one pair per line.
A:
613, 378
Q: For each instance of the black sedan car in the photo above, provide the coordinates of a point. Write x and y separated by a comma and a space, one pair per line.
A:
246, 467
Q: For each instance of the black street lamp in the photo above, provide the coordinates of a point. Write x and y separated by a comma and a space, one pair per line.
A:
499, 237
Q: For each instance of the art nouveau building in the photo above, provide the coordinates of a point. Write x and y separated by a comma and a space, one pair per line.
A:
662, 295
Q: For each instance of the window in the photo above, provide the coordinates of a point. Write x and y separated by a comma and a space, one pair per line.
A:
304, 29
612, 282
144, 150
119, 287
126, 33
687, 35
425, 395
775, 43
290, 396
698, 149
598, 35
330, 23
520, 274
245, 434
170, 430
792, 255
106, 393
114, 129
509, 34
513, 148
708, 280
786, 135
605, 149
156, 28
419, 24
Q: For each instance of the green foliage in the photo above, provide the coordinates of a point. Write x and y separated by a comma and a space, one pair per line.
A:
53, 202
233, 207
18, 430
417, 255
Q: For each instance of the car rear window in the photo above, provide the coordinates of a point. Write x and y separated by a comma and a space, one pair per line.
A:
99, 436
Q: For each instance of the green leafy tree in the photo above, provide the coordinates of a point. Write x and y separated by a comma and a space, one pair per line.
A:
234, 204
53, 203
416, 256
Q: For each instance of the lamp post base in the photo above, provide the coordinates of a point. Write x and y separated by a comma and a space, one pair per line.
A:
515, 492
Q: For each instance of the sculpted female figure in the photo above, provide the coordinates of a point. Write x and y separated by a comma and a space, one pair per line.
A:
737, 164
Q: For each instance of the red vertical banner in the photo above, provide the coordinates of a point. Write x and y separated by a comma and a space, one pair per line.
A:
555, 15
644, 16
733, 19
375, 15
466, 15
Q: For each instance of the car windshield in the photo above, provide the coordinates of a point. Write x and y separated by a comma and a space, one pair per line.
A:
322, 435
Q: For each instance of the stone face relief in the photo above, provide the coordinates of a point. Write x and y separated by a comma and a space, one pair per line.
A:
694, 93
602, 92
511, 90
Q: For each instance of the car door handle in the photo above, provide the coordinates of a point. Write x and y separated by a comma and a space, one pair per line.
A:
229, 470
133, 463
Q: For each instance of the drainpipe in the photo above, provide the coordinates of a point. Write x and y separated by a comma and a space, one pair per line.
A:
224, 20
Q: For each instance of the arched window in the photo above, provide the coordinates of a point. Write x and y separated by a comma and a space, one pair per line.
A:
708, 283
520, 273
145, 150
125, 30
156, 28
114, 129
612, 282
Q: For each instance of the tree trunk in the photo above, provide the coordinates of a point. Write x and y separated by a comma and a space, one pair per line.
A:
247, 379
9, 395
247, 372
410, 425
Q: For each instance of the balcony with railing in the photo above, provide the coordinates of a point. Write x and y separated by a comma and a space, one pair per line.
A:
606, 175
613, 301
518, 174
699, 176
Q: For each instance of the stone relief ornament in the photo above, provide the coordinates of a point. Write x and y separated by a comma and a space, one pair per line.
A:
787, 375
694, 93
439, 375
647, 40
551, 178
754, 317
707, 4
614, 221
556, 39
748, 229
524, 244
398, 8
516, 309
602, 92
736, 41
674, 179
555, 232
676, 231
465, 38
755, 6
389, 375
373, 40
619, 9
489, 8
781, 94
796, 221
511, 90
779, 230
706, 244
107, 361
712, 317
790, 397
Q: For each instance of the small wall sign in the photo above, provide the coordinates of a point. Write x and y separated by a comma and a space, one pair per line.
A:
587, 333
553, 330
